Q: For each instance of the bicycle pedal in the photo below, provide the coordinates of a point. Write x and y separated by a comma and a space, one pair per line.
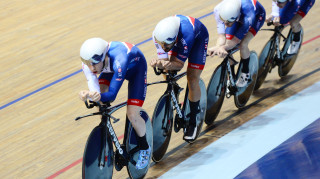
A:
177, 124
118, 166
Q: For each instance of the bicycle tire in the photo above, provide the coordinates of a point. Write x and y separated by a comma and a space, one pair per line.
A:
131, 143
90, 168
161, 142
215, 94
243, 94
265, 62
203, 107
289, 60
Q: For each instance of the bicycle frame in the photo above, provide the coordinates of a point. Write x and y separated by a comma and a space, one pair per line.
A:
276, 40
106, 111
173, 90
230, 72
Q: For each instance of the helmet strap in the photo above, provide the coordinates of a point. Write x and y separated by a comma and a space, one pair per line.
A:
104, 56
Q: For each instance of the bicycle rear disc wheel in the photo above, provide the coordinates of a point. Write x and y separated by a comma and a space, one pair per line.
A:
161, 137
265, 63
289, 60
243, 94
132, 142
90, 163
215, 94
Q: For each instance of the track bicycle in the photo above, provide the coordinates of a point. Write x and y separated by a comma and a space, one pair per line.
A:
223, 83
99, 156
163, 118
271, 55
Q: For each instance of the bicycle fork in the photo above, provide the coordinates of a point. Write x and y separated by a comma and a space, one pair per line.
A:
179, 119
232, 89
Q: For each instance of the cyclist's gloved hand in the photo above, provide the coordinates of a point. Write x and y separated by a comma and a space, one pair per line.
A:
275, 20
269, 18
221, 52
212, 50
83, 95
153, 62
165, 64
95, 96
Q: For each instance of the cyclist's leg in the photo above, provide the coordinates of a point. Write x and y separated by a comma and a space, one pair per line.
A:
293, 14
196, 62
299, 15
244, 48
296, 26
133, 113
244, 77
137, 89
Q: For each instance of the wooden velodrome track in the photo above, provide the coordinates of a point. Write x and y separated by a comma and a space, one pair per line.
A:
40, 79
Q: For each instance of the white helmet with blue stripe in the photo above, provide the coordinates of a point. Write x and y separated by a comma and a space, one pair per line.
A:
93, 50
167, 30
230, 10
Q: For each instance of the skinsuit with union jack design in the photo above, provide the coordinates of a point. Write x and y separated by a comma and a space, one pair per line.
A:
122, 61
249, 17
125, 61
178, 38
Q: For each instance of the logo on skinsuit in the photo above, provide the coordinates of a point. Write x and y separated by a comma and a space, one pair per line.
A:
135, 101
195, 66
182, 56
229, 37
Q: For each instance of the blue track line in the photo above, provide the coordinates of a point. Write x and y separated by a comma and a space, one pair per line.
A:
40, 89
70, 75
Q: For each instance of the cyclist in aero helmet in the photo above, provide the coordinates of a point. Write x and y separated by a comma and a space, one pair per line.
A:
243, 19
116, 61
176, 39
290, 11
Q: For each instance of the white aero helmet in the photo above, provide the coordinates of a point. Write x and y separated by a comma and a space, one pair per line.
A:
93, 50
230, 10
167, 30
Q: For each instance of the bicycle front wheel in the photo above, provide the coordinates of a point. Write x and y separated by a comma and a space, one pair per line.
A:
162, 120
215, 94
243, 94
265, 63
92, 155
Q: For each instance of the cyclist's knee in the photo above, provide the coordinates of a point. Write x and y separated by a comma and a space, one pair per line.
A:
244, 50
133, 112
295, 25
193, 78
243, 46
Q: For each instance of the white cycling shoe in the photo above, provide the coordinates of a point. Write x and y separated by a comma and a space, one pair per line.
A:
294, 46
144, 158
243, 80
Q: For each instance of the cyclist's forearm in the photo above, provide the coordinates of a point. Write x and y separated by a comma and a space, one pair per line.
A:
221, 40
230, 44
174, 65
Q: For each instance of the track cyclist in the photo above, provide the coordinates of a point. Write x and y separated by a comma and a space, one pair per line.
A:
176, 39
116, 61
290, 11
243, 19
